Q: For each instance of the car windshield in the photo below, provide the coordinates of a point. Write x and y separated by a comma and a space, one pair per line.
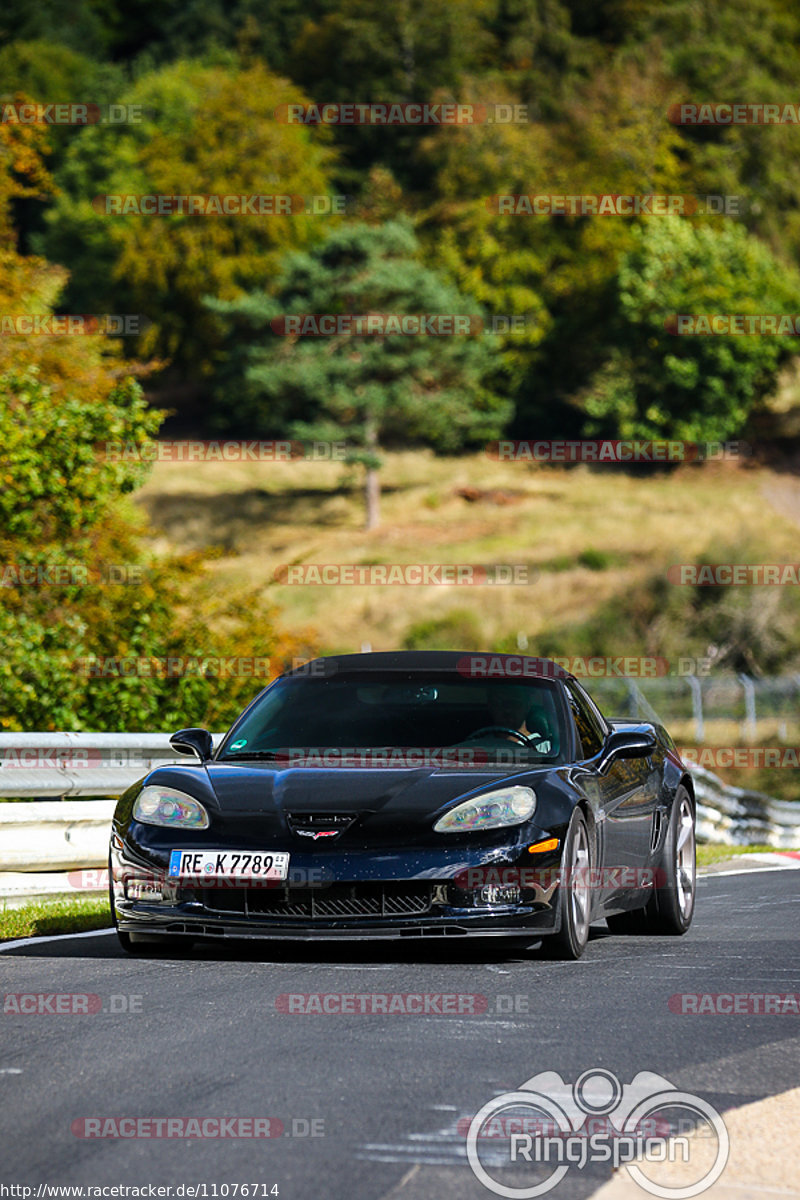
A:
411, 716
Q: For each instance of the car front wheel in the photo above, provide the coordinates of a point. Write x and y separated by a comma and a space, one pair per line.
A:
574, 895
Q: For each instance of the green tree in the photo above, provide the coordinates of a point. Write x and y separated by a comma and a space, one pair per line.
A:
67, 525
366, 50
368, 390
610, 137
205, 131
78, 593
654, 383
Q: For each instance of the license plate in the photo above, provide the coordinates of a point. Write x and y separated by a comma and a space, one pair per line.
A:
228, 864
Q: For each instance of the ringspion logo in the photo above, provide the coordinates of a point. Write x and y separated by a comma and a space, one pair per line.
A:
648, 1122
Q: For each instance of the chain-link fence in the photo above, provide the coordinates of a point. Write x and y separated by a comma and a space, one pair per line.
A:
716, 710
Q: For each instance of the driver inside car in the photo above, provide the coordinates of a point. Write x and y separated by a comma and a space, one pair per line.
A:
511, 708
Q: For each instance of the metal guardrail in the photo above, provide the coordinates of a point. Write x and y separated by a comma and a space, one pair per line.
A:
50, 833
738, 817
55, 765
54, 835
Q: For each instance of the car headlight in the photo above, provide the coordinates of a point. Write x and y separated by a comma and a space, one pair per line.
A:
492, 810
168, 806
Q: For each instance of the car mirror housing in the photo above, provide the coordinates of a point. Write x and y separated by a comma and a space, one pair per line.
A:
193, 741
634, 742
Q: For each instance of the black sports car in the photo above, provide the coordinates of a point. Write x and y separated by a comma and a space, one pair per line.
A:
400, 795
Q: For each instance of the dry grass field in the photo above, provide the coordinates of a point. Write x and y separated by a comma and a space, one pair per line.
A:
585, 534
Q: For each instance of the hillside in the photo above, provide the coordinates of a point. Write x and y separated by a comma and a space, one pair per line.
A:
586, 536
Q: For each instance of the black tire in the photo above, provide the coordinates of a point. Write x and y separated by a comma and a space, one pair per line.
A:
671, 907
574, 895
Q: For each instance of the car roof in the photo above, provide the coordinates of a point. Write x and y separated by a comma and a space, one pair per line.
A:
479, 664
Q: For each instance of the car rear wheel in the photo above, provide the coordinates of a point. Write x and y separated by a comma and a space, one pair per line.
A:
671, 907
574, 895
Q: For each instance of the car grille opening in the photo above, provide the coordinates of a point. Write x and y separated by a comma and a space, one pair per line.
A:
338, 900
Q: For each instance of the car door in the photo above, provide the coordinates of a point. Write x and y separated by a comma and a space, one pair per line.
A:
624, 794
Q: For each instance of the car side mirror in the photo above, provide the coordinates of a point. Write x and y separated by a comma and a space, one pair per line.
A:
193, 741
637, 741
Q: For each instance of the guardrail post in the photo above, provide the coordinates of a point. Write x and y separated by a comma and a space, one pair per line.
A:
697, 707
749, 727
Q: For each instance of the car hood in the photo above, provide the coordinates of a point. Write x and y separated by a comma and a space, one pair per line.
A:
263, 801
399, 793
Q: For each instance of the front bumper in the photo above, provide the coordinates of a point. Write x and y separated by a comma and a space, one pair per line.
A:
455, 923
354, 900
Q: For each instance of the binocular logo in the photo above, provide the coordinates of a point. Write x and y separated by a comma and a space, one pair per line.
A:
672, 1143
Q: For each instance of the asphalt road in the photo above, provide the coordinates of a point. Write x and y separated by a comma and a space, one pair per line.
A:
387, 1095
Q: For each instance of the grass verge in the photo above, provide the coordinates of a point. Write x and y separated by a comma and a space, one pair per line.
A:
713, 852
59, 915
